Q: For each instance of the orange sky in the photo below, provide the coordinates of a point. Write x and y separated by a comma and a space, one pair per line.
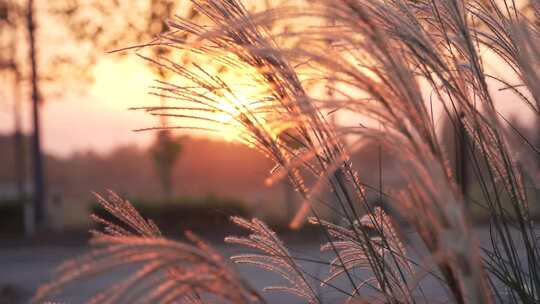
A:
99, 120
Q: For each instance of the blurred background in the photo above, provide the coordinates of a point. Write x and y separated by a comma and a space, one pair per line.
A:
65, 131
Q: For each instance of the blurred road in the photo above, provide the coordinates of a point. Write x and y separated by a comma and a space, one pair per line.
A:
24, 268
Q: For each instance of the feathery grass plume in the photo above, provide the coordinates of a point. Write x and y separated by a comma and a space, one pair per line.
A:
303, 145
513, 34
265, 104
391, 48
352, 255
160, 270
303, 138
274, 257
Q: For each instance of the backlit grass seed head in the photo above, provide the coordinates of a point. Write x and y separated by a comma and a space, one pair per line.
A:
166, 271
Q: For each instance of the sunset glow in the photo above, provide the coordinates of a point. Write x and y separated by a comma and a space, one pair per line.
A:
124, 81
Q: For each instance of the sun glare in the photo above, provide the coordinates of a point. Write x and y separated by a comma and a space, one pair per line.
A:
229, 110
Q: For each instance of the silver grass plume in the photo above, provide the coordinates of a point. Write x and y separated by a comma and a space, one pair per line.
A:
279, 119
351, 253
274, 257
303, 146
165, 271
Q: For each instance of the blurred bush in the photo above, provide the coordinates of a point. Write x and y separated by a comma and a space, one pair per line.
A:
11, 217
173, 216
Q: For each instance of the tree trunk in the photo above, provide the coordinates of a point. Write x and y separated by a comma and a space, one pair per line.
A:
18, 142
37, 157
19, 158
